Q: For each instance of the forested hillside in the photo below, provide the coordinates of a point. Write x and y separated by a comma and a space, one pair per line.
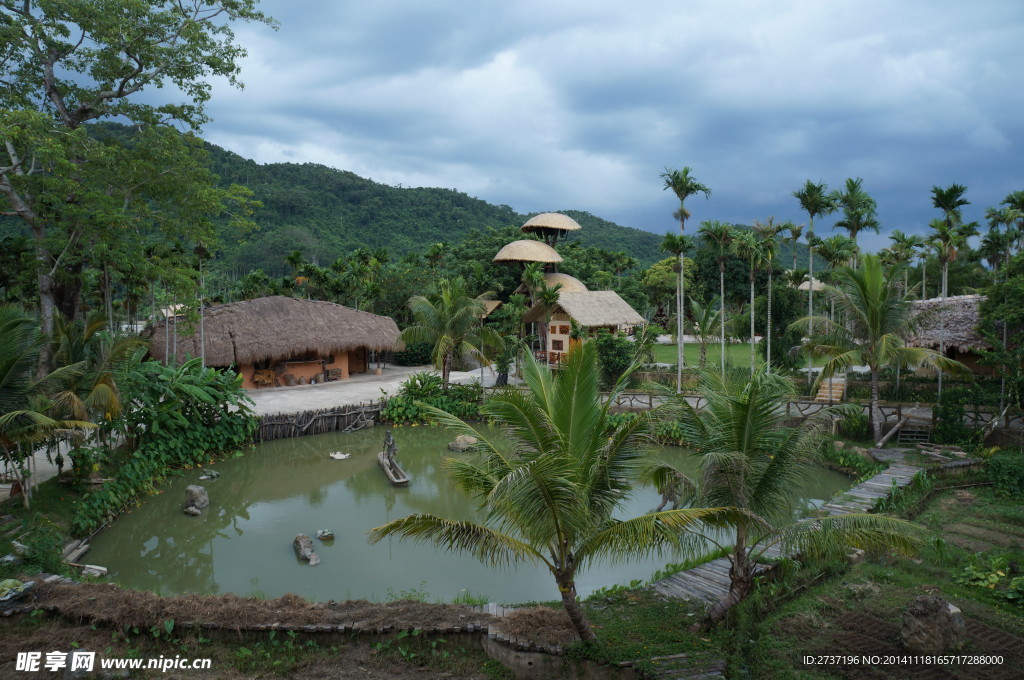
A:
325, 213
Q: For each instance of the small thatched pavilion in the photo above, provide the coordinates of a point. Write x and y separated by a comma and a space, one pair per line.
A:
956, 318
528, 251
590, 309
551, 226
283, 341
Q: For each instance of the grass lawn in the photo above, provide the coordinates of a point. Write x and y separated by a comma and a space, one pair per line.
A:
736, 354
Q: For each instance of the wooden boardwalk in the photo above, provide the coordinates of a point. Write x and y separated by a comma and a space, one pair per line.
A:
709, 582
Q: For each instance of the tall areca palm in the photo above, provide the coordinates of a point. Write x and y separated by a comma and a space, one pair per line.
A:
998, 245
877, 320
948, 238
858, 208
683, 185
550, 500
766, 234
749, 460
721, 235
677, 245
449, 319
816, 201
547, 298
747, 246
795, 232
904, 249
704, 324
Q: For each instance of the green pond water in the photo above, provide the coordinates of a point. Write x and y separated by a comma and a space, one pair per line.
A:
242, 543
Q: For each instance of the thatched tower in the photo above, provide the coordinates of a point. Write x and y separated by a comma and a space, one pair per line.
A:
281, 340
551, 226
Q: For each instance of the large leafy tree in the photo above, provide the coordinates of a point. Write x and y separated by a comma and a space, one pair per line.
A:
750, 461
816, 201
85, 196
450, 320
877, 320
683, 185
549, 499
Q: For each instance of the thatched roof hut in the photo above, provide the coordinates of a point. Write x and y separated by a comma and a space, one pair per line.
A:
591, 308
275, 328
959, 315
527, 251
556, 221
570, 284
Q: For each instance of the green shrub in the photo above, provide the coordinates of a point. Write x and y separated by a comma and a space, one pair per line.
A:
949, 417
424, 388
851, 462
416, 354
1006, 470
855, 426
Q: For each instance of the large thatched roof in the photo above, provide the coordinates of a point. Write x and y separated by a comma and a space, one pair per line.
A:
591, 308
527, 251
278, 328
551, 221
960, 317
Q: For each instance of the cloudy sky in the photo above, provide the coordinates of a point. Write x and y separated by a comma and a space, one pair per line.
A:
581, 104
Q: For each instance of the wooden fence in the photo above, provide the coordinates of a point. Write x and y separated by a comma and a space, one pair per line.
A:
348, 418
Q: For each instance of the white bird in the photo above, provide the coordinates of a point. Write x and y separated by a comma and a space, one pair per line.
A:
337, 455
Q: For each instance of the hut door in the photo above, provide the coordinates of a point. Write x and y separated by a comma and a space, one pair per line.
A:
357, 361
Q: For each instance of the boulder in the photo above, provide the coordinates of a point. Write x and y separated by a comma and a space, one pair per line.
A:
191, 510
932, 626
463, 442
303, 545
196, 497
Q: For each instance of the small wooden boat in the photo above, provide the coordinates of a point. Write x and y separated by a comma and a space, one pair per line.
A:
394, 472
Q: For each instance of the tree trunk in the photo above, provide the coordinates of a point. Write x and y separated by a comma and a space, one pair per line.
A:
768, 349
740, 581
444, 372
679, 327
721, 288
753, 359
810, 293
567, 587
873, 411
942, 320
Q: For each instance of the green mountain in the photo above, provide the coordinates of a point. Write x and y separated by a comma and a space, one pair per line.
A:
325, 213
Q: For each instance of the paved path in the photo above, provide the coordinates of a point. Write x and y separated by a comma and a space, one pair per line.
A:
709, 582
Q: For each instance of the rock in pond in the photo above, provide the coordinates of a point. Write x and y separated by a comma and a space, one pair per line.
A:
192, 510
303, 545
196, 497
210, 474
463, 442
932, 626
325, 534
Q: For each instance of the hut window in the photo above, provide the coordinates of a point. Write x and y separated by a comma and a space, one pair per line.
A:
557, 346
563, 330
554, 329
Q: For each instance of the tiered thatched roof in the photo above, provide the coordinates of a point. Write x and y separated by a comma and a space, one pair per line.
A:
569, 284
527, 251
958, 314
271, 328
591, 308
551, 221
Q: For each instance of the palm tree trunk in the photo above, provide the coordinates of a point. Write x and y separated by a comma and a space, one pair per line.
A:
810, 293
768, 349
567, 587
679, 327
444, 372
721, 288
875, 433
740, 580
752, 354
942, 320
681, 345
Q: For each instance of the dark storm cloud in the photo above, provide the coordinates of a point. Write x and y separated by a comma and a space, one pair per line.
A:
583, 104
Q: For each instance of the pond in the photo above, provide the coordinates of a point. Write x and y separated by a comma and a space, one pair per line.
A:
242, 542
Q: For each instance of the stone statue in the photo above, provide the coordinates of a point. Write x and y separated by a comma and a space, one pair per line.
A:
390, 448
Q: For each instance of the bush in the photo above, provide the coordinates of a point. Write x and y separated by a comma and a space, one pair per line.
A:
1006, 470
855, 426
615, 354
416, 354
949, 417
424, 388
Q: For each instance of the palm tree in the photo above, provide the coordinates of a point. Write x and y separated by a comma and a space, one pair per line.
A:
877, 320
677, 246
766, 234
948, 239
997, 246
904, 248
795, 232
721, 235
816, 201
704, 324
858, 209
747, 246
450, 320
749, 460
551, 499
25, 401
683, 185
547, 298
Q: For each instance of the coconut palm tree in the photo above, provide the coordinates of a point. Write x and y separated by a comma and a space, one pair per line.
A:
748, 247
704, 324
551, 499
449, 319
859, 209
25, 402
678, 245
721, 235
748, 459
816, 201
877, 320
683, 185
